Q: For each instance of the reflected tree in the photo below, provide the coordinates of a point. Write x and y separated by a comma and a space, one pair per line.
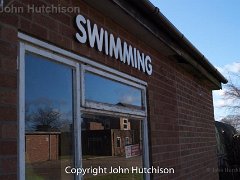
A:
47, 119
44, 119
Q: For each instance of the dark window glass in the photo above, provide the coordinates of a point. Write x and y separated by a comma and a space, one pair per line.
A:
104, 90
118, 142
102, 146
126, 141
48, 118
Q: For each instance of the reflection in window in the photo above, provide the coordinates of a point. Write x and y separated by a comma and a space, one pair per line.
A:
105, 147
48, 118
126, 141
118, 142
100, 89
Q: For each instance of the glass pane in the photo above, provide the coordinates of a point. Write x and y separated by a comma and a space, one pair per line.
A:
48, 118
100, 89
107, 144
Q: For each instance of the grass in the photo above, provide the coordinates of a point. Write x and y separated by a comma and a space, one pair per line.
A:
31, 176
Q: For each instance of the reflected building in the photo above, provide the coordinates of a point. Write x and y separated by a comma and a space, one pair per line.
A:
42, 146
108, 136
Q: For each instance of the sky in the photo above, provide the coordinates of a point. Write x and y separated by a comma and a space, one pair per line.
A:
213, 27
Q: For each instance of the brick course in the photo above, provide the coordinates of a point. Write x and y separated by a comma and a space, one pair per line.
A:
181, 121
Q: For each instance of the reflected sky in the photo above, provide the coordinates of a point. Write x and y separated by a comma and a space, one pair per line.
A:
100, 89
48, 85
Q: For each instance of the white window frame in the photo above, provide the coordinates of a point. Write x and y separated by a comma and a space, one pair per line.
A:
26, 48
30, 44
125, 123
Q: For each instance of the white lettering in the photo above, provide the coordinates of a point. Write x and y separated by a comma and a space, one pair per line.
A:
135, 169
82, 38
141, 63
115, 48
148, 65
106, 42
135, 57
93, 36
128, 54
112, 46
66, 169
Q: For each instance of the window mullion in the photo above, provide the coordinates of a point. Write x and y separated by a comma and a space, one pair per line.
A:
21, 86
78, 147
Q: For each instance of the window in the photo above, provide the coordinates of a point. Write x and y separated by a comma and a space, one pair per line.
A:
109, 145
108, 92
127, 141
48, 118
118, 142
77, 115
111, 92
125, 124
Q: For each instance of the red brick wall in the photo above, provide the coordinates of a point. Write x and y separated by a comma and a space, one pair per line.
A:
41, 147
122, 134
180, 106
8, 97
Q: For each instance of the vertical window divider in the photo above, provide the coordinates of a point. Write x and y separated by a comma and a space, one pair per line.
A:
21, 113
145, 137
78, 147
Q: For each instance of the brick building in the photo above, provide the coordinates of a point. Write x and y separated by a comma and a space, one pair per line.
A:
106, 60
